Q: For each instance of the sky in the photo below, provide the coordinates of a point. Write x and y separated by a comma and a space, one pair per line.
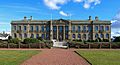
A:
66, 9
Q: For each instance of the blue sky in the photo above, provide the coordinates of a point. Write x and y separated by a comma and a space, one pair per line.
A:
66, 9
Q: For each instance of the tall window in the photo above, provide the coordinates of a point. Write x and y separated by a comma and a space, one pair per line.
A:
32, 35
37, 35
79, 36
73, 35
15, 35
101, 27
47, 28
25, 35
42, 28
20, 28
37, 28
90, 28
96, 28
96, 36
84, 28
79, 28
20, 35
107, 28
25, 28
107, 35
66, 28
101, 35
31, 28
73, 28
43, 36
14, 28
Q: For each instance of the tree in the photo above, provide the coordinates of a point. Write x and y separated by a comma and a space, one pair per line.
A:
117, 39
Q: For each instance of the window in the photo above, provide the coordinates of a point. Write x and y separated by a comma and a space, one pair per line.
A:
84, 28
54, 28
47, 28
14, 28
101, 27
19, 28
42, 28
90, 28
66, 28
73, 28
37, 28
37, 35
31, 28
107, 35
15, 35
43, 36
20, 35
96, 36
73, 36
79, 28
79, 35
84, 36
107, 28
66, 36
96, 28
25, 35
32, 35
101, 35
25, 28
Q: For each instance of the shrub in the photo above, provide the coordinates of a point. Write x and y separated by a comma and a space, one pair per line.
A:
40, 38
30, 40
105, 40
15, 40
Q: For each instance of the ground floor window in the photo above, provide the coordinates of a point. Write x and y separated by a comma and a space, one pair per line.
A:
73, 36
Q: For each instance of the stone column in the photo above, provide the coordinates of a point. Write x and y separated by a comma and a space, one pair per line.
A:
51, 31
28, 30
57, 33
70, 30
64, 32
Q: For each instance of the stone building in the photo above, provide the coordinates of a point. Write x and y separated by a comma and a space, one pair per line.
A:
61, 29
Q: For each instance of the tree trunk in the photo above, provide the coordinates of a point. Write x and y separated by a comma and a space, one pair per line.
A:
89, 45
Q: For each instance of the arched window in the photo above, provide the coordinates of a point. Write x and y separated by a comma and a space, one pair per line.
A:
107, 28
73, 28
43, 36
73, 36
79, 36
15, 35
20, 35
42, 28
37, 28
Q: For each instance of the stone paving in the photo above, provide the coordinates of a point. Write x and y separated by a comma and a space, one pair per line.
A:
56, 57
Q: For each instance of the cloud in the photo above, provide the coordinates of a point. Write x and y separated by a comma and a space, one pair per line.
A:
64, 14
55, 4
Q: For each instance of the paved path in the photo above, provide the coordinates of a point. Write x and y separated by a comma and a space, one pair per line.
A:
56, 57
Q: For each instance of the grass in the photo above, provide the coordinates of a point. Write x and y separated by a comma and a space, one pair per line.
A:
15, 57
101, 57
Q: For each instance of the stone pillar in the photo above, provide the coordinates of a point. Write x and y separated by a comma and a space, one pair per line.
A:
64, 32
70, 30
28, 31
57, 33
51, 31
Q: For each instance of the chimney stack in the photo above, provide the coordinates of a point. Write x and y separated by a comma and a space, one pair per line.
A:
30, 17
90, 17
25, 18
96, 18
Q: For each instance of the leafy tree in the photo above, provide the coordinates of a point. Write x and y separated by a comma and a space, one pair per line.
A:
15, 40
117, 39
31, 40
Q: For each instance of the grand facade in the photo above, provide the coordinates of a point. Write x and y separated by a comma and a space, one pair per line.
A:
61, 29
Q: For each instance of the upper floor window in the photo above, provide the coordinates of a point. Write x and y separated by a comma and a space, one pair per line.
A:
90, 28
84, 28
73, 28
66, 28
15, 28
47, 28
107, 28
79, 28
31, 28
25, 28
19, 28
101, 28
54, 28
96, 28
42, 28
37, 28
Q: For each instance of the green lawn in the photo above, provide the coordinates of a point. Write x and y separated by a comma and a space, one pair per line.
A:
101, 57
15, 57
